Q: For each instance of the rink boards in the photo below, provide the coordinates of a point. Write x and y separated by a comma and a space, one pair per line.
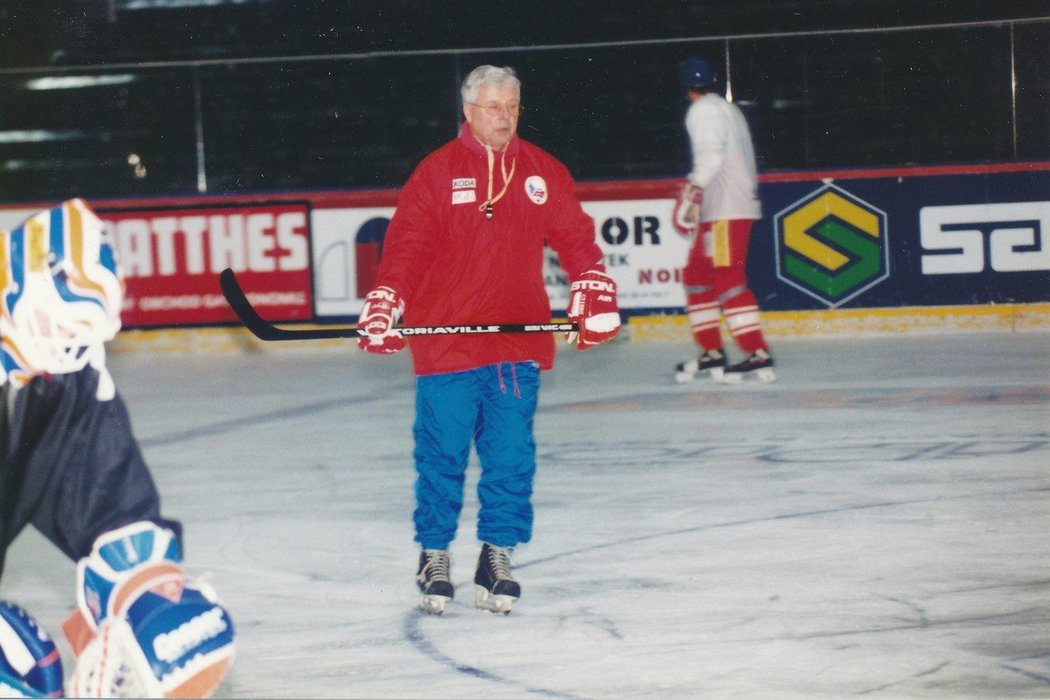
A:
895, 250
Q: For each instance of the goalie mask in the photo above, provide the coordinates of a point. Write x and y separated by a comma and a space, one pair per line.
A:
61, 293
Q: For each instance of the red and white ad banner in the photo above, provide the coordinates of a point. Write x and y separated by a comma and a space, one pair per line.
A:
171, 259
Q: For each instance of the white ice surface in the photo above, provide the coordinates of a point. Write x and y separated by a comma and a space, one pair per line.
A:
874, 524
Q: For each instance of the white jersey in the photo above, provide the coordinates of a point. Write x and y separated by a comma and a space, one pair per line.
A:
723, 159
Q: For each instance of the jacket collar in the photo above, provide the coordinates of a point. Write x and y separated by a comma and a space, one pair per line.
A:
468, 140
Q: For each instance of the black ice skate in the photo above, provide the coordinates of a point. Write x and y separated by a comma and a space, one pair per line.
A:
433, 580
759, 366
495, 588
712, 361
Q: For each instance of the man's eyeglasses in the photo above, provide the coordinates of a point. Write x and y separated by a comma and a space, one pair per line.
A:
495, 110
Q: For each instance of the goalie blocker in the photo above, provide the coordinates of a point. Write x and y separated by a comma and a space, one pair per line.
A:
144, 627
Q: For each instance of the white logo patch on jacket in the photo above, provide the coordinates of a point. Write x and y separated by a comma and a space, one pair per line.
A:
463, 190
536, 189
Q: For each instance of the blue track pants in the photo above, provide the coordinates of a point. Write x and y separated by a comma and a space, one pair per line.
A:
493, 408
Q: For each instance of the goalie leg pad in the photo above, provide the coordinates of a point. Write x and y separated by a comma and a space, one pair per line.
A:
116, 557
30, 665
157, 632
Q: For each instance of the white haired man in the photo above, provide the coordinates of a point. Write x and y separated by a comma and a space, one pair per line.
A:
466, 246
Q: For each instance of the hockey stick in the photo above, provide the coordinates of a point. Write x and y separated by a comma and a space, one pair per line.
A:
264, 330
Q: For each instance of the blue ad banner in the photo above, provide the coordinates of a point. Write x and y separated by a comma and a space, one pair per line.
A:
903, 239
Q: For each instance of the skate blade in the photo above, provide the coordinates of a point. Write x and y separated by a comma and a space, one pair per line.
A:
484, 600
764, 375
687, 377
433, 604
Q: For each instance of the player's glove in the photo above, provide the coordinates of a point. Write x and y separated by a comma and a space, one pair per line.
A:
383, 307
592, 305
145, 628
687, 209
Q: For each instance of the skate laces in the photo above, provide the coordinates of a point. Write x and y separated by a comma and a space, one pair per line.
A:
499, 560
758, 357
437, 566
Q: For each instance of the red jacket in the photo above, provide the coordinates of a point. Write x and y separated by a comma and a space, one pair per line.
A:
451, 265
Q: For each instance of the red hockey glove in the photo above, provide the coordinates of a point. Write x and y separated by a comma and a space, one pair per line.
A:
687, 209
592, 305
381, 311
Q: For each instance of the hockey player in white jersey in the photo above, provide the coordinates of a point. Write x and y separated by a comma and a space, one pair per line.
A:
717, 206
70, 466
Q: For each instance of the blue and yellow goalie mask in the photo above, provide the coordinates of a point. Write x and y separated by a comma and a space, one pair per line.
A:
61, 292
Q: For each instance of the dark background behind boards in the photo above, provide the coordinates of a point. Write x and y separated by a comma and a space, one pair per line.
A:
265, 95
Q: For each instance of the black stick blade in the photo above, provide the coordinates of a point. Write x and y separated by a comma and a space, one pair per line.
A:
263, 329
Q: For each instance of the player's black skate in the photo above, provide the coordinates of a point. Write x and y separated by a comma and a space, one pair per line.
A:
759, 365
712, 361
433, 580
495, 588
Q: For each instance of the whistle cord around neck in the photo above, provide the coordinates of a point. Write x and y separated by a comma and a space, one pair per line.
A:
486, 206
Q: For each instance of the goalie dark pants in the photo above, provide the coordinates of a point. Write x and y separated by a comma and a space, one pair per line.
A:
493, 408
70, 465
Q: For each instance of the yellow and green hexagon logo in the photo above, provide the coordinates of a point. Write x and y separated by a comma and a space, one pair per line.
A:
832, 245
